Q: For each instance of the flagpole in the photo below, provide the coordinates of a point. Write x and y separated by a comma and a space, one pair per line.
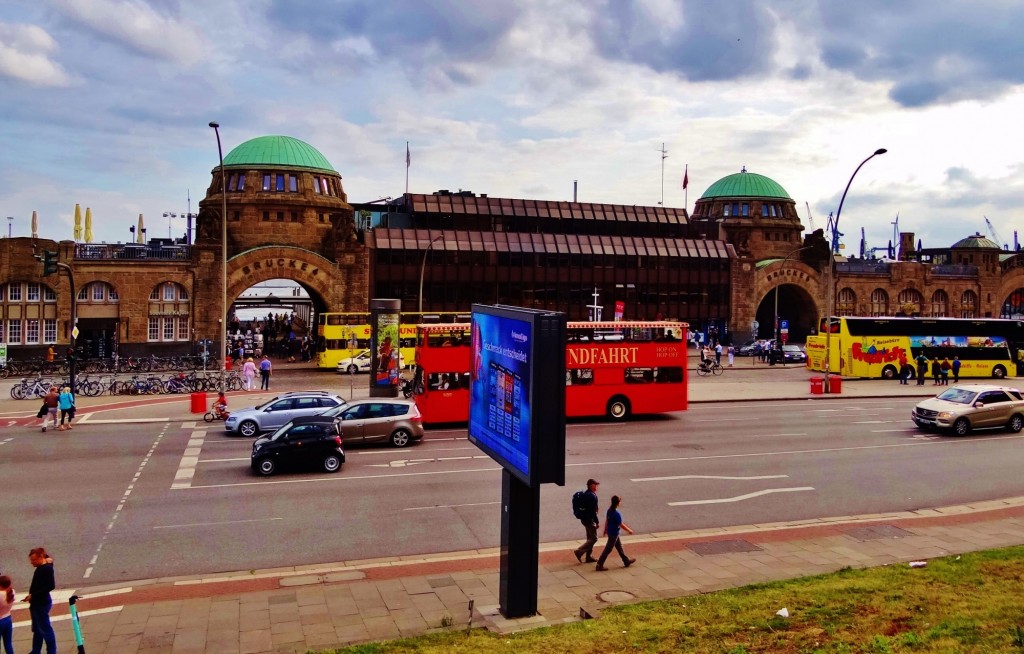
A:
407, 162
686, 189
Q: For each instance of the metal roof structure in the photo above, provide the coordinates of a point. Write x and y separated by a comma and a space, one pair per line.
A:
744, 184
468, 203
279, 152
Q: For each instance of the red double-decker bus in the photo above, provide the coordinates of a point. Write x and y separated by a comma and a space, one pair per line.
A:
613, 369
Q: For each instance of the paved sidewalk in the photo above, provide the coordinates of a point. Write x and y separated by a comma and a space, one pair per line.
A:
312, 608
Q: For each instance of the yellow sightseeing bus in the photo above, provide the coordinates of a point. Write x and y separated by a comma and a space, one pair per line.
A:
343, 335
874, 347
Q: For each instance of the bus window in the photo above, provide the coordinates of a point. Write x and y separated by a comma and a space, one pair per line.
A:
639, 375
669, 375
579, 376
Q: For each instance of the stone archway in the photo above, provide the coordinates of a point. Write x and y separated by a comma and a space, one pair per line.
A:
801, 299
1009, 295
318, 275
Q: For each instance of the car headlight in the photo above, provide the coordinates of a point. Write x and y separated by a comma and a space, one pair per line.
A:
945, 415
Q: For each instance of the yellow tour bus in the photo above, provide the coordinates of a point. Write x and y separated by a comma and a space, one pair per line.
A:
877, 347
343, 335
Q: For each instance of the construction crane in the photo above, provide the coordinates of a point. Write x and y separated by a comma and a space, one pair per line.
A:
810, 218
995, 236
835, 235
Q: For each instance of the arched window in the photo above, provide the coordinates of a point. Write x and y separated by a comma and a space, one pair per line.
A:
1013, 306
968, 304
910, 301
98, 293
879, 302
169, 311
28, 314
940, 304
846, 302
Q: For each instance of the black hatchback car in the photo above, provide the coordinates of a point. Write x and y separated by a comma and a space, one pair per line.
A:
304, 441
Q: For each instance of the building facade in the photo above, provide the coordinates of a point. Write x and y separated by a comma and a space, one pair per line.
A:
741, 261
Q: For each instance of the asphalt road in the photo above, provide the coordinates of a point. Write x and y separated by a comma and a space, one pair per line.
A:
126, 502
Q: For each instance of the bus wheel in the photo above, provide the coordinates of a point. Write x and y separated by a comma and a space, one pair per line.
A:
618, 408
999, 372
889, 372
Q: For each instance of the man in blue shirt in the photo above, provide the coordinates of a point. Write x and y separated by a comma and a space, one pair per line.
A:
265, 373
612, 524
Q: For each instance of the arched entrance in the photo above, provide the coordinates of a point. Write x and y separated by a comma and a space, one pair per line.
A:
795, 305
277, 317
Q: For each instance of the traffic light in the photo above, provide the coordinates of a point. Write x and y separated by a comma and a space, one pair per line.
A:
49, 263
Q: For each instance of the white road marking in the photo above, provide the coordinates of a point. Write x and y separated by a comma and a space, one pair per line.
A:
81, 614
639, 479
591, 464
119, 421
209, 524
186, 471
245, 458
871, 422
886, 431
391, 452
448, 506
121, 504
596, 442
740, 498
6, 440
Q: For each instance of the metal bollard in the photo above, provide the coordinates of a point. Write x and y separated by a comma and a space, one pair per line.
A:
72, 601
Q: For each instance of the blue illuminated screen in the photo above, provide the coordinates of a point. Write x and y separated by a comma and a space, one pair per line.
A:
499, 413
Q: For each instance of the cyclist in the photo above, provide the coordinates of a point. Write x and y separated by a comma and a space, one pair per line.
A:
220, 406
706, 357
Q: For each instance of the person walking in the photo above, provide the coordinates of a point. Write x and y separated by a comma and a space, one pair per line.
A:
6, 622
39, 601
956, 369
922, 368
612, 525
936, 371
249, 373
265, 367
66, 403
588, 516
718, 353
731, 353
51, 402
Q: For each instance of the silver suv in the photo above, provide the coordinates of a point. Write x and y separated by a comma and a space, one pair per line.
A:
966, 407
270, 415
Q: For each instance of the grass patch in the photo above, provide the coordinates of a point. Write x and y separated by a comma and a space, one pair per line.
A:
967, 603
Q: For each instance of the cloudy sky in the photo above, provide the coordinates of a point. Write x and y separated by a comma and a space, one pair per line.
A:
106, 103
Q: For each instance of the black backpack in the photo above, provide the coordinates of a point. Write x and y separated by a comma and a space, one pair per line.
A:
578, 508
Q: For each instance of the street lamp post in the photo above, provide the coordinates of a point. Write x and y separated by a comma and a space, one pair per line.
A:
423, 267
223, 261
833, 277
169, 215
10, 226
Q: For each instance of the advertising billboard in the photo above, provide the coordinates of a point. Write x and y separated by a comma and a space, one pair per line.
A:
517, 390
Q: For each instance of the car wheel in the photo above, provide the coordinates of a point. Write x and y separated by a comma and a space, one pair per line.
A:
889, 372
618, 408
266, 466
999, 372
248, 429
352, 369
961, 427
1016, 423
400, 438
332, 463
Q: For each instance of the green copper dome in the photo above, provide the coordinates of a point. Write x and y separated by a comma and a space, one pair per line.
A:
744, 184
977, 241
277, 151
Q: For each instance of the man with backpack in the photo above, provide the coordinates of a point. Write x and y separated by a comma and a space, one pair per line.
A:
584, 508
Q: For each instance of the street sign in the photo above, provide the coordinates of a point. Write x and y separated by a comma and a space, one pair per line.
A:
784, 325
785, 337
75, 332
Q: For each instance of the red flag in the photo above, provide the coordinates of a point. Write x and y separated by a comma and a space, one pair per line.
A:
408, 157
686, 177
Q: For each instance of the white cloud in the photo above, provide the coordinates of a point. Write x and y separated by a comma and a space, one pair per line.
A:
25, 52
140, 27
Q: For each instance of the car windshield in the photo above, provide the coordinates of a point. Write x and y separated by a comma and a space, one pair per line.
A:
791, 348
282, 430
958, 395
334, 411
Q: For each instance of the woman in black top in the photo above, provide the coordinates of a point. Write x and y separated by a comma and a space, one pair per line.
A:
39, 602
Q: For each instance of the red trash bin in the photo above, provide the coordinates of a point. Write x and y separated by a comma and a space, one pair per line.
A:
198, 402
227, 362
835, 384
817, 385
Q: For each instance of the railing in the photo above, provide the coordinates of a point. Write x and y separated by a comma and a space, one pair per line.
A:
862, 267
954, 270
132, 251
